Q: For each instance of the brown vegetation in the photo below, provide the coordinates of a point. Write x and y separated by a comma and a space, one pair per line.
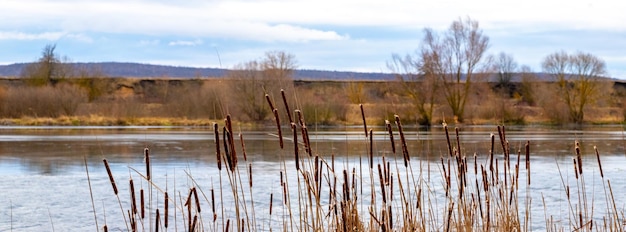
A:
180, 101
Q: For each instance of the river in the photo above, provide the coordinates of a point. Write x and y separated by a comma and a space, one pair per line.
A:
44, 182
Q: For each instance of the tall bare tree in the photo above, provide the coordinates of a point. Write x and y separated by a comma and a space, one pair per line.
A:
505, 66
49, 68
419, 86
455, 59
250, 82
578, 77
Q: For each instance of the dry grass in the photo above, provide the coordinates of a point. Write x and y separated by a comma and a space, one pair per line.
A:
386, 192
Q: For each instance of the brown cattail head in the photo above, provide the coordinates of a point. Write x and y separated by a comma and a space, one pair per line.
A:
243, 147
282, 92
371, 150
269, 101
166, 209
280, 132
295, 145
599, 163
364, 122
405, 150
195, 195
106, 165
580, 159
217, 146
142, 200
146, 152
133, 202
271, 202
445, 128
250, 174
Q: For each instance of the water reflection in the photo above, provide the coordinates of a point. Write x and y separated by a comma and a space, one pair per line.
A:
52, 150
42, 168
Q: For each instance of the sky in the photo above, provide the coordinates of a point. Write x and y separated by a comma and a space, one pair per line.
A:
334, 35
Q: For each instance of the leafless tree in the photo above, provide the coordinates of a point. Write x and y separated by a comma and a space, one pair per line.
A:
417, 85
455, 59
250, 82
505, 66
578, 77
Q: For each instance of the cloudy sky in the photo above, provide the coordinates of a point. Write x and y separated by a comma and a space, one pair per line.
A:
342, 35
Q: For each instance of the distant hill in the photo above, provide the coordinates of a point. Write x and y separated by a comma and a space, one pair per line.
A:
115, 69
118, 69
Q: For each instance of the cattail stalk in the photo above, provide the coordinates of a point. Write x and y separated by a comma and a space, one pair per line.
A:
599, 163
217, 146
243, 147
146, 152
364, 122
133, 202
405, 150
282, 93
106, 165
166, 209
280, 132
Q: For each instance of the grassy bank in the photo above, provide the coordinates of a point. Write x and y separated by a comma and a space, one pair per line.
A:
162, 101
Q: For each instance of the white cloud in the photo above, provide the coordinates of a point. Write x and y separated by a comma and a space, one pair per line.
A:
149, 42
14, 35
186, 43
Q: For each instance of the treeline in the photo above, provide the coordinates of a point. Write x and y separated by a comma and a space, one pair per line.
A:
449, 78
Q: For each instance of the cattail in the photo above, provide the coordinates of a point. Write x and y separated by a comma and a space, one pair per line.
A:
580, 160
491, 153
382, 183
458, 140
393, 144
195, 194
156, 222
307, 143
364, 122
599, 163
280, 132
141, 199
133, 202
295, 145
227, 225
231, 140
217, 146
405, 150
243, 147
106, 165
227, 149
146, 153
282, 92
250, 174
271, 202
166, 209
371, 151
105, 228
193, 225
575, 168
269, 101
528, 159
445, 127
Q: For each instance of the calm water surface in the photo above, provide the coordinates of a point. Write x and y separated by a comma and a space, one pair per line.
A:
44, 184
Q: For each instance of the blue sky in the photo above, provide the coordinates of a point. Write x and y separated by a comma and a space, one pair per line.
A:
342, 35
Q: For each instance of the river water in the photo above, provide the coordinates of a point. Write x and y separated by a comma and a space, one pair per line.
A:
44, 183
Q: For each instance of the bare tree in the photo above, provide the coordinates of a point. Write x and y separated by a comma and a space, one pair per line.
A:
250, 82
455, 59
47, 70
505, 66
578, 77
419, 86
